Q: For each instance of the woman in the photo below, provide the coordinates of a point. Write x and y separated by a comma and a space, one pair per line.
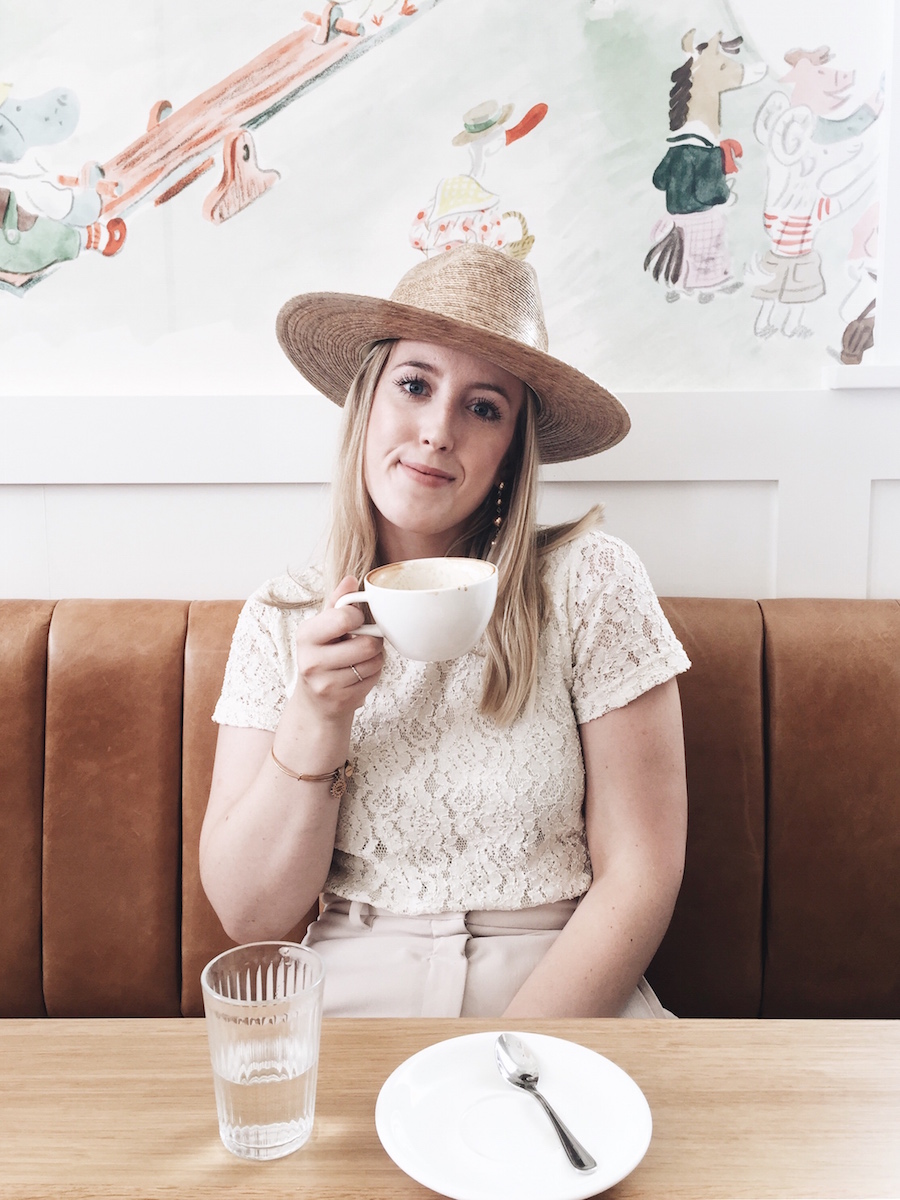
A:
511, 837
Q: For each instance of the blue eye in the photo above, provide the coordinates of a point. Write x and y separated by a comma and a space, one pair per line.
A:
413, 385
485, 410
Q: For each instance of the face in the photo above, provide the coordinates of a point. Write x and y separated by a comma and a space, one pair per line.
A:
36, 121
439, 430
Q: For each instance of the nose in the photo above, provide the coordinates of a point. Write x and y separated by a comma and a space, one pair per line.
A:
436, 428
753, 73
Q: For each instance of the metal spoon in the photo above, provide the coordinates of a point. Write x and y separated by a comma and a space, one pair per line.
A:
518, 1066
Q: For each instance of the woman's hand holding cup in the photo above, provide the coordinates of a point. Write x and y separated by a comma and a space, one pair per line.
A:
429, 609
336, 671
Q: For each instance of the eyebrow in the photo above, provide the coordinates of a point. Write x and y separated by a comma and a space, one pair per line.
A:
426, 366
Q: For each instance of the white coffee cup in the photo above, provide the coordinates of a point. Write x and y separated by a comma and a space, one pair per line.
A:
429, 609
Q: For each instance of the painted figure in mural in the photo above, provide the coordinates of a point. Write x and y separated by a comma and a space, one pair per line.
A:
815, 170
601, 10
690, 251
43, 221
858, 306
462, 209
824, 90
511, 837
47, 219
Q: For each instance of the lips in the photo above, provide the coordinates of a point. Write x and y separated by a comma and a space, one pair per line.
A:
430, 476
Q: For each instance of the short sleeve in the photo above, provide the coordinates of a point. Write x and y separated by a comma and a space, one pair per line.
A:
261, 672
622, 644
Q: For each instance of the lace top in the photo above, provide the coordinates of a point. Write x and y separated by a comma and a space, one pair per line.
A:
446, 810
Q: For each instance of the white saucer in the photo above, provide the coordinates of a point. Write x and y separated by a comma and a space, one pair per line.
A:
448, 1119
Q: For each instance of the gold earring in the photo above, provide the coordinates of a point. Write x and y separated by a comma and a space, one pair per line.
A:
498, 519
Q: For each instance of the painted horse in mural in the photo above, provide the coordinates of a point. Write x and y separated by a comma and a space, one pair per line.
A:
689, 250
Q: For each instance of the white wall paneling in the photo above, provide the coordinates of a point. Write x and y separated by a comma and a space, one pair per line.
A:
884, 544
731, 493
174, 541
698, 538
24, 562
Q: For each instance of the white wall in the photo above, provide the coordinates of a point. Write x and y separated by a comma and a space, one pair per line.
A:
774, 493
733, 494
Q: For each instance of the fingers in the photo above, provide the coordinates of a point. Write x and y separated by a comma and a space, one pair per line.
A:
363, 673
354, 651
335, 625
335, 668
347, 585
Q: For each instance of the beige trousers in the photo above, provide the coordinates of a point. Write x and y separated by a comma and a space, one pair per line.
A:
378, 964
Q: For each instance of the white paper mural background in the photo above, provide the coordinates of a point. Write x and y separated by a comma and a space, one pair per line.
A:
188, 307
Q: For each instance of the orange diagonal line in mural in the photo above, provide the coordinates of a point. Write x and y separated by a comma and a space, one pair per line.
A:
247, 97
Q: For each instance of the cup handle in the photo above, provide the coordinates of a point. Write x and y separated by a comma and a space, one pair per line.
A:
358, 598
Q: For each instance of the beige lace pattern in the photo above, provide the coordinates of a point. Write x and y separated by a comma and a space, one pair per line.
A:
446, 811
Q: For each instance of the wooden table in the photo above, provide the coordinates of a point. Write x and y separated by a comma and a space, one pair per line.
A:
100, 1109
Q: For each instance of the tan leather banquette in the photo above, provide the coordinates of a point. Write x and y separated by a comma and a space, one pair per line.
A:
791, 898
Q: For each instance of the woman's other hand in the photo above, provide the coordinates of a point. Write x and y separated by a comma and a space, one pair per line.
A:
636, 825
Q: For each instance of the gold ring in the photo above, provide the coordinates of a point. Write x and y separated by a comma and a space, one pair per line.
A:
356, 673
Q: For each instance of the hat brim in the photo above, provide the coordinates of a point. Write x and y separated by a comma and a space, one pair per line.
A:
326, 336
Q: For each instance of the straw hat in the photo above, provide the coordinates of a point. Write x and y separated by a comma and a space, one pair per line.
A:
472, 298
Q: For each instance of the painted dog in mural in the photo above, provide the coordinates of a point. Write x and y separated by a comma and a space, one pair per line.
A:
689, 250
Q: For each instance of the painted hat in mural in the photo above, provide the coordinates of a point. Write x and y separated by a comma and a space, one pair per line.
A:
478, 122
472, 298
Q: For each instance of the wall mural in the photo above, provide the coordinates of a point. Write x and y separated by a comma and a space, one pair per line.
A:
462, 209
692, 251
66, 214
696, 183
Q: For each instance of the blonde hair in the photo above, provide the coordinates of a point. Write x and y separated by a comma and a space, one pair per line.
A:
509, 681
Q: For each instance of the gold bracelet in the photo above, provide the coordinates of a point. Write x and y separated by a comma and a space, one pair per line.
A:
338, 776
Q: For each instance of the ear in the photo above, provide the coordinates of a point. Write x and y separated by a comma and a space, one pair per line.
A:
687, 42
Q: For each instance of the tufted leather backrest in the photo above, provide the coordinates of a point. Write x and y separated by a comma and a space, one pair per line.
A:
711, 960
833, 858
208, 639
24, 626
112, 808
791, 897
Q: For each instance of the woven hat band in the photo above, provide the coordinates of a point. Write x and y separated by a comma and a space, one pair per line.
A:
479, 126
502, 297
